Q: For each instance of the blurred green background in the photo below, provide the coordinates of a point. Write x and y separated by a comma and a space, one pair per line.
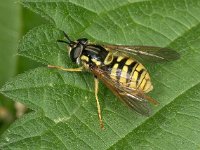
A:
15, 21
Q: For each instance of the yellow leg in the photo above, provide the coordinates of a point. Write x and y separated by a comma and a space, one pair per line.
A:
66, 69
96, 82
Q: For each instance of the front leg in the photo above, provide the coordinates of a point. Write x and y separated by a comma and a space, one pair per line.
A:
96, 83
67, 69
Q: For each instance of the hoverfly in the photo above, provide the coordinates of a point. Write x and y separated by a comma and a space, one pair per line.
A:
126, 77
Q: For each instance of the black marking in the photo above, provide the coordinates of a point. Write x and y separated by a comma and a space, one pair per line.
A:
95, 47
113, 63
144, 85
137, 64
142, 79
96, 52
88, 54
139, 75
92, 50
119, 69
130, 69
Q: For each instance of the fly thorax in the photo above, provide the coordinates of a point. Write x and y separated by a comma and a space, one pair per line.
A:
94, 55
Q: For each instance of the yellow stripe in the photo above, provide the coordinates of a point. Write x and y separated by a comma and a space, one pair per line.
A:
113, 71
147, 87
135, 76
147, 77
133, 84
129, 61
96, 62
119, 58
142, 77
133, 70
139, 67
133, 80
142, 85
123, 74
83, 57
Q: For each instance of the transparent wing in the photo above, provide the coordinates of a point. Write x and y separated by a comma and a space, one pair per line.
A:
135, 102
149, 53
135, 99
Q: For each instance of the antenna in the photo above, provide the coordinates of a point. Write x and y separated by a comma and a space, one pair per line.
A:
68, 37
62, 41
69, 42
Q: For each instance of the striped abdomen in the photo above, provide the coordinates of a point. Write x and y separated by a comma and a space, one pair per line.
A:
124, 70
130, 73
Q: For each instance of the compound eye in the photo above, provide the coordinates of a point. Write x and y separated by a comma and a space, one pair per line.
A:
76, 52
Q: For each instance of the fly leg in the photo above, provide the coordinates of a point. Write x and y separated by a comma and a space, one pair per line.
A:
67, 69
96, 83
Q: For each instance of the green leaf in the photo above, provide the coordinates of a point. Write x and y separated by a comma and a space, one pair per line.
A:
10, 27
65, 112
10, 34
176, 126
